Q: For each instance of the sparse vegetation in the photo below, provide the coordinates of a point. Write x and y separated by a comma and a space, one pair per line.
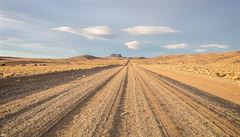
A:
23, 67
222, 65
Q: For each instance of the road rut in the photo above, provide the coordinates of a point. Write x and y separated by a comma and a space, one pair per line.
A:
120, 101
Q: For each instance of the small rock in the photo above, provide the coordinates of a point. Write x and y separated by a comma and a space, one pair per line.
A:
8, 75
125, 113
217, 74
236, 78
3, 135
222, 75
17, 74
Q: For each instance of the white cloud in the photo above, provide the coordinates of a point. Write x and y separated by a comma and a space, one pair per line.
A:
74, 52
220, 46
8, 22
22, 46
24, 26
4, 40
17, 21
32, 46
64, 29
200, 50
149, 30
94, 32
176, 46
135, 45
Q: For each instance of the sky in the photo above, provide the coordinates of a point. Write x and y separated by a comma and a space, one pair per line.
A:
66, 28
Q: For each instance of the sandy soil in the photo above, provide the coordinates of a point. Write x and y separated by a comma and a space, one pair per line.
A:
220, 65
121, 101
18, 67
15, 87
224, 88
214, 73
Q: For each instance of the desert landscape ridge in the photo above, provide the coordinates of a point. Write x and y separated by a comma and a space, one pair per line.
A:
120, 96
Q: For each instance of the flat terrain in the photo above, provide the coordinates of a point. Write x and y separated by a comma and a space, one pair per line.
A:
216, 65
18, 67
214, 73
124, 100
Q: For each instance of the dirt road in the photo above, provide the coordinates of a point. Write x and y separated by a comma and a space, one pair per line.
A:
120, 101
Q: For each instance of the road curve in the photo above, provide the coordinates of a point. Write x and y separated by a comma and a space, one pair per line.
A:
121, 101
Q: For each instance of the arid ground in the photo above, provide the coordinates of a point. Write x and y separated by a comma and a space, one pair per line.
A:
167, 96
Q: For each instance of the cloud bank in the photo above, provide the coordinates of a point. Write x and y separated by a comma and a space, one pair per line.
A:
134, 45
92, 33
219, 46
200, 50
176, 46
149, 30
21, 47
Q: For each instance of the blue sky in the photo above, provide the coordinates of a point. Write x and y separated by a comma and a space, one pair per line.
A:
58, 28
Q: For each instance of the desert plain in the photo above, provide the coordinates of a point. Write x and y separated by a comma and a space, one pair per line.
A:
186, 95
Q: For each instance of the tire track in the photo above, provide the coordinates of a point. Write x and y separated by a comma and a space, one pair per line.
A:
230, 125
168, 126
189, 122
138, 119
126, 101
110, 123
127, 122
47, 114
219, 127
84, 99
216, 104
19, 106
20, 87
91, 118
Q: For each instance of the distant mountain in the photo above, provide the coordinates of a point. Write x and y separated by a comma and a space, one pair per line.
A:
116, 55
83, 57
